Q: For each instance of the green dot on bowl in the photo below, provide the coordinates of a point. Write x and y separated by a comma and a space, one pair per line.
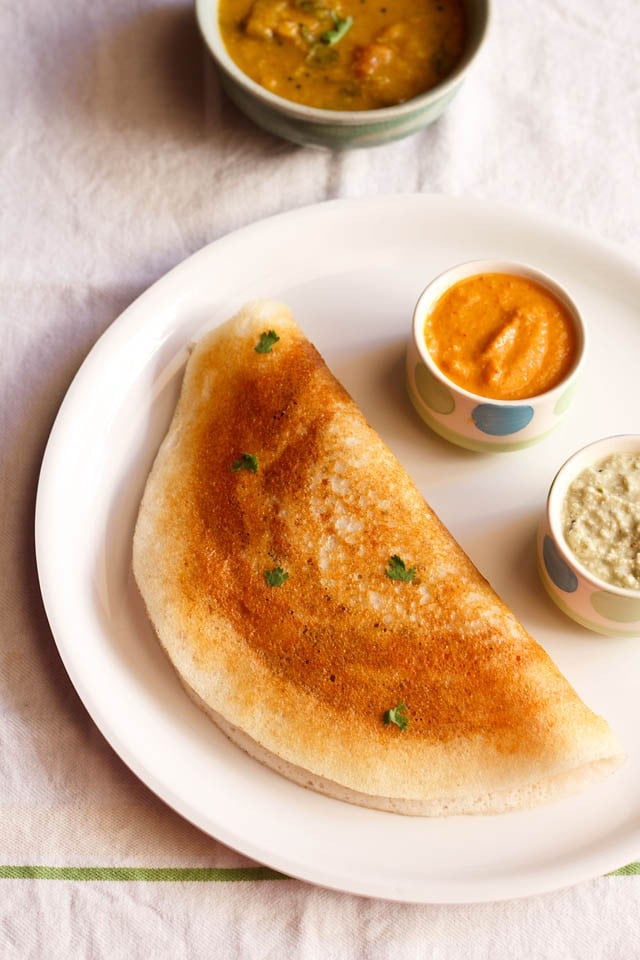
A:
565, 400
620, 609
436, 396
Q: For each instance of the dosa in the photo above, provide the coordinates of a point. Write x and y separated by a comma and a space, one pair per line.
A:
319, 611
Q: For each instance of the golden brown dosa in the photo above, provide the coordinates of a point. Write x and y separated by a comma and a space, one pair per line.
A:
302, 674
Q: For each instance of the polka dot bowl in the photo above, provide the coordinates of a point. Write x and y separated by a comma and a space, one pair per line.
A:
590, 601
468, 419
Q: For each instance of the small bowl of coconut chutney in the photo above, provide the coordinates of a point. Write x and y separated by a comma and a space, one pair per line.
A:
589, 538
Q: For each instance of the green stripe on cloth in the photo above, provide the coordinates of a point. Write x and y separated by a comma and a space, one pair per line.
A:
181, 874
631, 869
155, 874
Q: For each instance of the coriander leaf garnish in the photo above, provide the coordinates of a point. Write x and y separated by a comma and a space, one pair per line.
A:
266, 341
397, 715
398, 571
342, 25
276, 577
247, 461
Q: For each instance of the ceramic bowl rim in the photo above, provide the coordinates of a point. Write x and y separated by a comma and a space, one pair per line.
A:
209, 29
468, 268
583, 457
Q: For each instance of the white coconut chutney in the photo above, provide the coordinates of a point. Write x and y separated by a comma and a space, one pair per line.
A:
601, 519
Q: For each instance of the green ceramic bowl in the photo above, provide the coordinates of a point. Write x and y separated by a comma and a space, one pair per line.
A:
338, 129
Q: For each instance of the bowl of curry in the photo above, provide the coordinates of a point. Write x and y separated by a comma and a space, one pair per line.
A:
343, 73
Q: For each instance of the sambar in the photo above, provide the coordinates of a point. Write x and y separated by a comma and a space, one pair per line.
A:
354, 55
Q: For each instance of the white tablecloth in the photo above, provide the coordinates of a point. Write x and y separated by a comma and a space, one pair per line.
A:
120, 157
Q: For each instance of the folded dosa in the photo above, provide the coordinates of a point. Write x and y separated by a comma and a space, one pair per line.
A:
303, 589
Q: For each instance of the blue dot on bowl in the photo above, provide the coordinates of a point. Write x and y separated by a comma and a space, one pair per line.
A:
560, 574
501, 421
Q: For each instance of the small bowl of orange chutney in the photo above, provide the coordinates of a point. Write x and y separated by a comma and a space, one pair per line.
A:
495, 355
343, 73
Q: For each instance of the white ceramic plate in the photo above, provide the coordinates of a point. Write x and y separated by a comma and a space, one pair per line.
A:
351, 270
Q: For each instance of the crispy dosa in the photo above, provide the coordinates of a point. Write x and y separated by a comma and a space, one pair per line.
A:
303, 589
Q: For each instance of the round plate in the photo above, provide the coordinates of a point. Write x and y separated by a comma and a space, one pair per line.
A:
351, 271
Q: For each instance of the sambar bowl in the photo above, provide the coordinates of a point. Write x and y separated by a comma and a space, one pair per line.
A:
339, 129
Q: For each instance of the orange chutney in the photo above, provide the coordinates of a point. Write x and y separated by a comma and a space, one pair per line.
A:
501, 336
344, 54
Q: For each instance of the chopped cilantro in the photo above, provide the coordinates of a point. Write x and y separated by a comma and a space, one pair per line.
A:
247, 461
398, 571
342, 25
266, 341
397, 715
276, 577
